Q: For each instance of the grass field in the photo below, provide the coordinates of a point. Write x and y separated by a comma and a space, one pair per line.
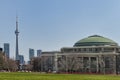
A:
38, 76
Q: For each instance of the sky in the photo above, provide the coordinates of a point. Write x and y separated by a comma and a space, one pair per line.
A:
50, 25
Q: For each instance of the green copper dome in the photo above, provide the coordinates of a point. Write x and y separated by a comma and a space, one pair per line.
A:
95, 40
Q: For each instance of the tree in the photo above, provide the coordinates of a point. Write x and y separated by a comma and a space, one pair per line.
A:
36, 64
6, 63
69, 63
12, 66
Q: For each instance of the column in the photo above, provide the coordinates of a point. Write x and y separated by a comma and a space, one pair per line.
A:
97, 62
114, 64
103, 64
66, 64
89, 64
56, 63
82, 63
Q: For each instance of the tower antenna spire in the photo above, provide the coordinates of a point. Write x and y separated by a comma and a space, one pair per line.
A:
16, 21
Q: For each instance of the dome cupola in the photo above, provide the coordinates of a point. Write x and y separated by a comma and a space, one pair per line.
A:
95, 40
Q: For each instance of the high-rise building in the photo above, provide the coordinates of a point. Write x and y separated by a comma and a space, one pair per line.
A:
31, 53
39, 53
6, 49
16, 33
21, 58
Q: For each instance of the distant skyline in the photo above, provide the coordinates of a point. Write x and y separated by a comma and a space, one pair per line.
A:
52, 24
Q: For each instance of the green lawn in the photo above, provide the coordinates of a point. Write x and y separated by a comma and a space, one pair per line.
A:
38, 76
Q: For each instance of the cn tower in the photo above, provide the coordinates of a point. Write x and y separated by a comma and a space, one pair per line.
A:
16, 33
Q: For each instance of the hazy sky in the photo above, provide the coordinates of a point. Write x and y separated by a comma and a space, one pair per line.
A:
52, 24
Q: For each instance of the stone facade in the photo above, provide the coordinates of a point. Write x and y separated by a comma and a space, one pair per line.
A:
89, 62
103, 59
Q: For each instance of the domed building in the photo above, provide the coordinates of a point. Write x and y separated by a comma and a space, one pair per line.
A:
95, 40
94, 54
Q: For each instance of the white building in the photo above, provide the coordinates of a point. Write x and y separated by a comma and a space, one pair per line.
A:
94, 54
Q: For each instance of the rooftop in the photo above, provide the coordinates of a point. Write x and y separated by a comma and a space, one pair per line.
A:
95, 40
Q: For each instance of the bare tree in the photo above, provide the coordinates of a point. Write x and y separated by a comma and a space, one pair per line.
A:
36, 64
6, 63
69, 63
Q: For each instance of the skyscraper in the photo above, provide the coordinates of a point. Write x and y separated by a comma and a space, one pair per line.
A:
39, 53
21, 58
6, 49
16, 33
31, 53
